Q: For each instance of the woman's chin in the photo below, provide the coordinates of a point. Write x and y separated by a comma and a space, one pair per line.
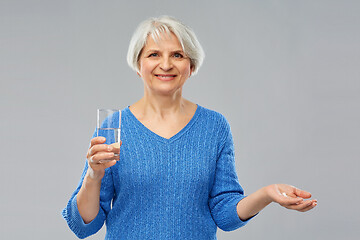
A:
166, 91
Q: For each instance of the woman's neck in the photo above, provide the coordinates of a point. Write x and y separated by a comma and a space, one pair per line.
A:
161, 107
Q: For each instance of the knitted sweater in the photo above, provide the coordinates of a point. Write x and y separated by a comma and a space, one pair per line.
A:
178, 188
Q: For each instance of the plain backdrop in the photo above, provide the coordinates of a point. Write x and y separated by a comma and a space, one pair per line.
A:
284, 73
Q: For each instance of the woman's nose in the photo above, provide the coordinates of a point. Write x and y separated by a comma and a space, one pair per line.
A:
166, 64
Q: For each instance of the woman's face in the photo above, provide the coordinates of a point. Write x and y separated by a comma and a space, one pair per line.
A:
164, 67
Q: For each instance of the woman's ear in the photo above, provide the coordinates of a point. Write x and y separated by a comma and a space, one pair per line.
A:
191, 70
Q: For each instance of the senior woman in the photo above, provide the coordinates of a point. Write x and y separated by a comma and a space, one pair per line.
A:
175, 177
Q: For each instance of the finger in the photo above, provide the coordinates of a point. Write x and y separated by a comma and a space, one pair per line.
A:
97, 140
300, 206
104, 161
302, 193
116, 147
297, 207
116, 144
99, 148
290, 201
105, 164
305, 207
312, 205
100, 157
109, 164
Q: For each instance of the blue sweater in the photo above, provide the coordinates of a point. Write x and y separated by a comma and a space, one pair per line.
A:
178, 188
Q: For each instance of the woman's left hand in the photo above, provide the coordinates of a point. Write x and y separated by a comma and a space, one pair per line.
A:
290, 197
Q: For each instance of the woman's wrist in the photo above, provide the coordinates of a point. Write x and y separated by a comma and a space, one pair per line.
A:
93, 176
266, 196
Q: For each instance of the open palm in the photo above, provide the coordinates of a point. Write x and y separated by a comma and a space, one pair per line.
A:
291, 197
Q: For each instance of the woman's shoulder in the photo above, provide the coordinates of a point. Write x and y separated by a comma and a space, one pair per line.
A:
214, 116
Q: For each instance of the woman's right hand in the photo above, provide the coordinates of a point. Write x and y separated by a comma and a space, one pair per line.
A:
101, 156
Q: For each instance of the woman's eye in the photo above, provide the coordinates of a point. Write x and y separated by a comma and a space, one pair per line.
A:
153, 55
178, 55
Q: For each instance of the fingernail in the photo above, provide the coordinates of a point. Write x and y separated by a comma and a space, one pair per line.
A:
109, 148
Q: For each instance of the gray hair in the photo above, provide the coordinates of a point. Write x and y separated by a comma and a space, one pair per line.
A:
165, 24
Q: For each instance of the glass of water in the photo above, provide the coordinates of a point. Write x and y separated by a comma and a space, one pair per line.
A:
109, 126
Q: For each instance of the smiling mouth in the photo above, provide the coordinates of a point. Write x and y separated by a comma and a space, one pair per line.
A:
165, 76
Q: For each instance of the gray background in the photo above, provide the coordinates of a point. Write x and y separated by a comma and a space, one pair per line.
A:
284, 73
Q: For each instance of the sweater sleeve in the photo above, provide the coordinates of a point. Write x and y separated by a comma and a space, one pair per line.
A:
226, 191
71, 213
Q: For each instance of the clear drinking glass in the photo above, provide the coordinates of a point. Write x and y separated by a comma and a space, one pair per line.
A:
108, 126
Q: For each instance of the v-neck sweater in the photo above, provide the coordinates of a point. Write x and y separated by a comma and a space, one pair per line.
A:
183, 187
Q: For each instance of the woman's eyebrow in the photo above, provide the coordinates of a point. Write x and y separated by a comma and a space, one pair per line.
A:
180, 50
152, 50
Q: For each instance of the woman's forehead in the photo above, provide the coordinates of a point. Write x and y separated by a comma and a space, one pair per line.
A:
163, 41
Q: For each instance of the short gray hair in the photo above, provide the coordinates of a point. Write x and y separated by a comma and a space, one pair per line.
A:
156, 26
